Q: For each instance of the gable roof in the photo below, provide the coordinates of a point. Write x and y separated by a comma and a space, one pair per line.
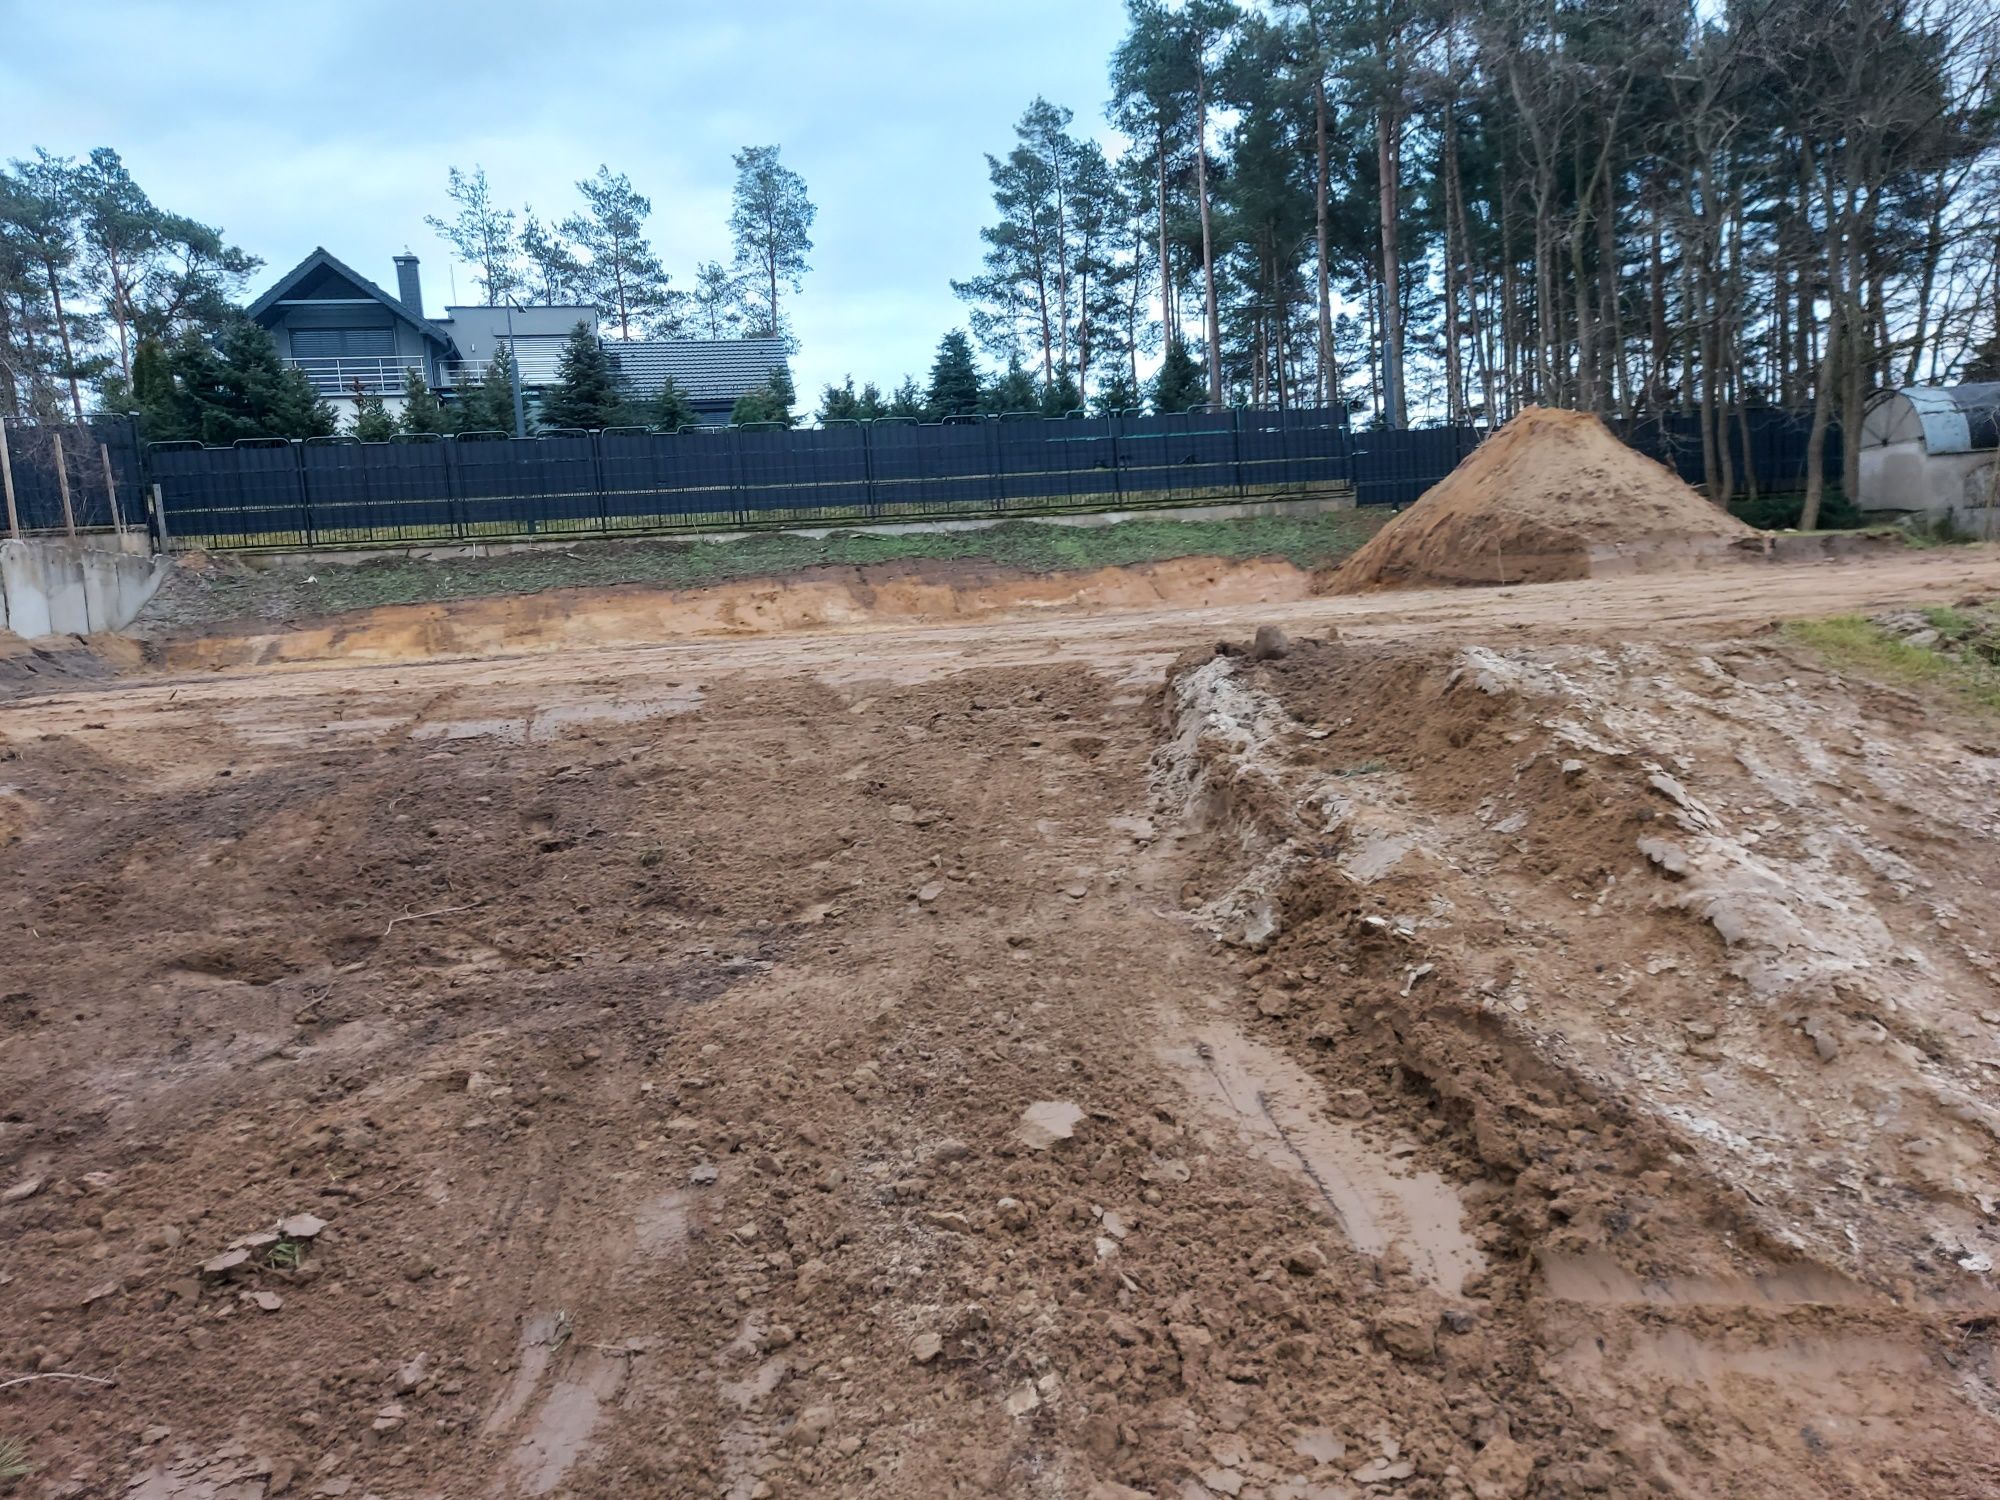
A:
324, 259
711, 370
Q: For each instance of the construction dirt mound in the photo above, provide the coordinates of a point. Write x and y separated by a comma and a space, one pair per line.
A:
1551, 495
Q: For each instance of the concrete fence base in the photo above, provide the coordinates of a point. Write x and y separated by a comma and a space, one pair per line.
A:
77, 585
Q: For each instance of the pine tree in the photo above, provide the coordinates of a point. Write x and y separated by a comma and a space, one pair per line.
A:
717, 292
623, 276
672, 409
1061, 397
954, 390
372, 422
554, 273
482, 233
771, 222
585, 393
1178, 386
422, 412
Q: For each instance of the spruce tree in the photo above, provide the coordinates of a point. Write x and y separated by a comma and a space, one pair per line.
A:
954, 388
487, 404
908, 399
1179, 385
372, 422
1014, 391
1061, 397
671, 409
770, 402
422, 412
153, 395
239, 389
585, 393
1115, 395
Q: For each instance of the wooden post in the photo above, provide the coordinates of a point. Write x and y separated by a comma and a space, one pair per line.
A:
62, 483
7, 481
111, 489
160, 520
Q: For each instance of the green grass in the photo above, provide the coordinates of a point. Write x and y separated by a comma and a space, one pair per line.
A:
1854, 643
228, 589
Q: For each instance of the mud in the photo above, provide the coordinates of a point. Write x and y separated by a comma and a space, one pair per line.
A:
655, 1029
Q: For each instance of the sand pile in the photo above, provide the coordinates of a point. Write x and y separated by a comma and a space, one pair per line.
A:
1533, 504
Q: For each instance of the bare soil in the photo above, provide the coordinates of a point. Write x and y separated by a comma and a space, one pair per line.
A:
1543, 499
1538, 1043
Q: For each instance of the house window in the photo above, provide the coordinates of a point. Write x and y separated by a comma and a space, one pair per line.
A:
343, 343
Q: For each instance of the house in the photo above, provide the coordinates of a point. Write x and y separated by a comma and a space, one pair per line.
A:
351, 338
1931, 448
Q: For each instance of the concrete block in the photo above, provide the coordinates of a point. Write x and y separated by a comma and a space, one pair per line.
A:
62, 577
27, 593
74, 585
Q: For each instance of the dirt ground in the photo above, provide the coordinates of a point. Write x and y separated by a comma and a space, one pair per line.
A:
1525, 1042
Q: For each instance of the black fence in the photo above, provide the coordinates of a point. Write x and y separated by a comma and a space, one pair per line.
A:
330, 491
334, 490
1767, 447
101, 461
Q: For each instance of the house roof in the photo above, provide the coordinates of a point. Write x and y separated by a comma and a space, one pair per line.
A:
322, 258
709, 370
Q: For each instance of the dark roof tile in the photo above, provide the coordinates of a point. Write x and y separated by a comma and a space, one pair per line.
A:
707, 369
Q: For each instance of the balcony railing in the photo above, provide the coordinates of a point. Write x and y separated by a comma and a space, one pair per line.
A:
537, 368
376, 375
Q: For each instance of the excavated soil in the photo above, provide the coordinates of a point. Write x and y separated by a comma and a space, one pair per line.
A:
1551, 495
817, 599
1486, 1056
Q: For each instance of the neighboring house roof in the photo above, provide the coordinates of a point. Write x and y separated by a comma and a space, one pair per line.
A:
1949, 419
707, 369
323, 259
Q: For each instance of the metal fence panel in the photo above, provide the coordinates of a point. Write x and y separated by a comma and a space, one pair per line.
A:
31, 459
330, 491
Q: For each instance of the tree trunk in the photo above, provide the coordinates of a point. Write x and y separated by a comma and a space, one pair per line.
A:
62, 333
1328, 375
1388, 158
1213, 321
1167, 329
1454, 391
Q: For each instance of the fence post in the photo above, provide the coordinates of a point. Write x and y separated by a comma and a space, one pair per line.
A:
111, 489
1117, 463
298, 449
868, 469
1236, 446
62, 484
597, 479
453, 504
7, 482
736, 476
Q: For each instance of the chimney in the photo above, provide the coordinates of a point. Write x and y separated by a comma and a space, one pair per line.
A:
409, 289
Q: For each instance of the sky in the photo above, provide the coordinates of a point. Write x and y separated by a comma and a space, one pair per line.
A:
290, 126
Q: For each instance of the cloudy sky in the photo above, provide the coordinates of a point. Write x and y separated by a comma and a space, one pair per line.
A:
292, 126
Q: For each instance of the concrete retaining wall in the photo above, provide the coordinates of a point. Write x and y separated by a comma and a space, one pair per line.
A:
80, 585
